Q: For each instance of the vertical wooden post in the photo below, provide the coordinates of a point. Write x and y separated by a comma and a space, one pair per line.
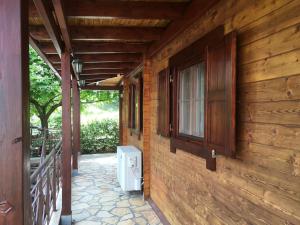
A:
120, 117
146, 125
15, 201
76, 124
66, 138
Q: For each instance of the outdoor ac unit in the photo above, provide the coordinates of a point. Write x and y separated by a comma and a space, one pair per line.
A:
129, 169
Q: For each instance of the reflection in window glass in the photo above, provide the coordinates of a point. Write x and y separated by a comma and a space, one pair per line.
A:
191, 101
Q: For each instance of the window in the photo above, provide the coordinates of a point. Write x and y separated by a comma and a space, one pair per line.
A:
203, 97
135, 112
191, 101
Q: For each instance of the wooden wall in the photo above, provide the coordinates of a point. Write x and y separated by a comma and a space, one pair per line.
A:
262, 185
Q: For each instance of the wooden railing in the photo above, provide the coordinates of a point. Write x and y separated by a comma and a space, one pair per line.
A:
45, 181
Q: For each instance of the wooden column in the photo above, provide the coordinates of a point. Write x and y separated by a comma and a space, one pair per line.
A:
66, 138
146, 125
15, 201
76, 124
120, 117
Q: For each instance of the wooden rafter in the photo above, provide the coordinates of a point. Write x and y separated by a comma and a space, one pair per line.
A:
93, 33
104, 71
36, 47
61, 19
51, 27
119, 9
101, 76
95, 87
193, 11
99, 47
118, 57
107, 65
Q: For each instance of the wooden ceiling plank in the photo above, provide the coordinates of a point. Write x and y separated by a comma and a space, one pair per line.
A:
99, 47
35, 46
98, 33
125, 10
51, 27
118, 57
107, 65
193, 11
61, 19
116, 71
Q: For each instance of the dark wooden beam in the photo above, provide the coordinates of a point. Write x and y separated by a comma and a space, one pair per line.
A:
97, 76
15, 199
98, 33
36, 47
105, 65
118, 57
51, 28
76, 124
193, 11
105, 71
96, 87
98, 47
61, 19
66, 137
119, 9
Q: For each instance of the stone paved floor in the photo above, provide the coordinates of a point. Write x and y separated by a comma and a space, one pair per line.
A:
97, 198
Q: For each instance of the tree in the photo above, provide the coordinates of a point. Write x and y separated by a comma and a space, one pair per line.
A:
45, 91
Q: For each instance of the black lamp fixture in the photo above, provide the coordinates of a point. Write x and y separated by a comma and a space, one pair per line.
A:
77, 65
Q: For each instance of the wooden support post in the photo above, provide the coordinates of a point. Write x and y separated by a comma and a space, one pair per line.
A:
15, 201
146, 125
76, 124
120, 117
66, 138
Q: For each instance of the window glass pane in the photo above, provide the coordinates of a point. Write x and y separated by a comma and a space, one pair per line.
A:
191, 101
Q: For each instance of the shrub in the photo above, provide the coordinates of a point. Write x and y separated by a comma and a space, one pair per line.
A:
100, 137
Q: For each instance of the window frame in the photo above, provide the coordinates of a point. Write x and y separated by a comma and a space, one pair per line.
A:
136, 93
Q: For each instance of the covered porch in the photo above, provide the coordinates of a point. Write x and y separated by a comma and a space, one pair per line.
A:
209, 94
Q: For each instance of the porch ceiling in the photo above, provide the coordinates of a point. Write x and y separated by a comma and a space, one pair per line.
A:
110, 37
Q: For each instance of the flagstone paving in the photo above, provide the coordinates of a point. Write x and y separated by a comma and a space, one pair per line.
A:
97, 198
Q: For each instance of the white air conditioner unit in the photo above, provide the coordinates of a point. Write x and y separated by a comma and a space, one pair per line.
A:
129, 170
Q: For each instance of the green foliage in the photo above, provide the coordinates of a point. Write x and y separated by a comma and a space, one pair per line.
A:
100, 137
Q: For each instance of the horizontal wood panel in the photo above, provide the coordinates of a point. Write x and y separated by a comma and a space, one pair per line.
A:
283, 65
270, 134
280, 89
284, 113
278, 43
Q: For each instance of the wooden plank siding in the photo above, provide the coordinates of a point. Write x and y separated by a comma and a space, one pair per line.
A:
262, 185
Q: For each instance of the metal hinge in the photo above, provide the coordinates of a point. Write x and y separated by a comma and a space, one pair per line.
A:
171, 79
171, 128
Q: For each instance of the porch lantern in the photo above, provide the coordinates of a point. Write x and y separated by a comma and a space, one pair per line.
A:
77, 64
81, 83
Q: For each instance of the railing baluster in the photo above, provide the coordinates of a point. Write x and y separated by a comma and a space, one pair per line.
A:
54, 183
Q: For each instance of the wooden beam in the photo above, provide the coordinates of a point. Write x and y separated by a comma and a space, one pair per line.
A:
101, 76
66, 136
51, 28
15, 199
36, 47
193, 11
61, 19
101, 33
105, 71
76, 124
126, 10
118, 57
99, 47
106, 65
96, 87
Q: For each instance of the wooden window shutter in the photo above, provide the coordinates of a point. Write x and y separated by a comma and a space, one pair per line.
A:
163, 127
221, 92
130, 102
141, 96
